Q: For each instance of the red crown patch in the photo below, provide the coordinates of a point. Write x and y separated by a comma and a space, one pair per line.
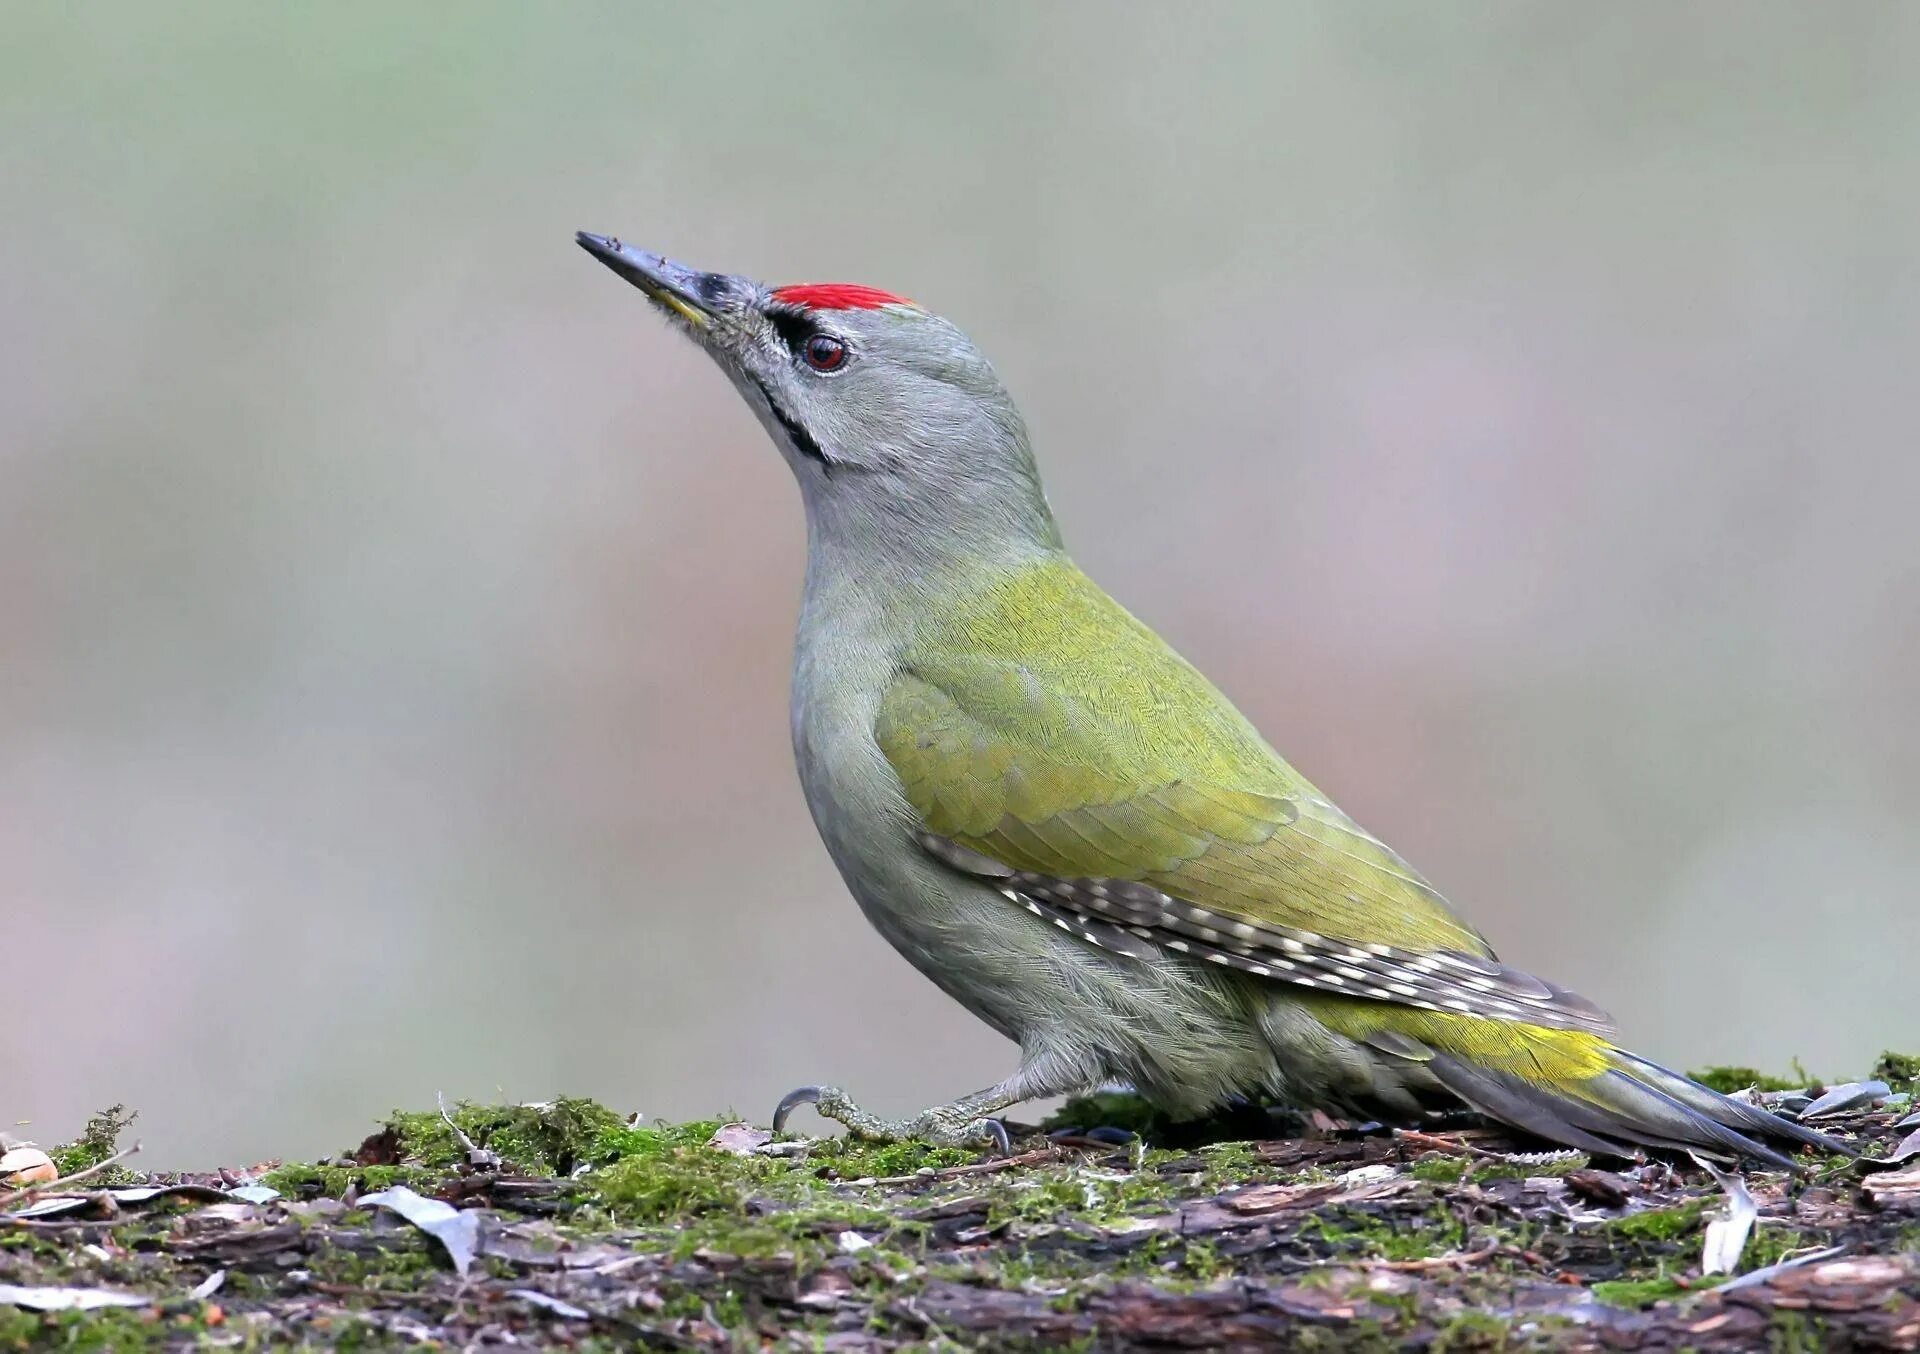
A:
837, 296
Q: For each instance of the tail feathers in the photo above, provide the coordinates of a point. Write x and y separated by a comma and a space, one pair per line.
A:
1635, 1103
1735, 1114
1513, 1101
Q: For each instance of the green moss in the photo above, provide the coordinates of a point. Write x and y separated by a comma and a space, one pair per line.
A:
1041, 1198
1637, 1293
535, 1140
300, 1181
1524, 1170
109, 1329
1770, 1245
42, 1246
1349, 1232
20, 1329
640, 1190
400, 1263
808, 1232
1157, 1255
1230, 1163
1659, 1224
74, 1330
1795, 1332
1051, 1194
1901, 1071
668, 1171
99, 1140
1730, 1080
1439, 1168
754, 1239
544, 1139
651, 1140
1476, 1332
1361, 1336
1203, 1262
858, 1159
763, 1225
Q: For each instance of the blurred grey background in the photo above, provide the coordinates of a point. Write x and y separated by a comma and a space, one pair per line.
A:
1514, 404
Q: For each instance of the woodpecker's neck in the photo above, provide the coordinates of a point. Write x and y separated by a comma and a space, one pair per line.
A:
950, 493
894, 569
877, 571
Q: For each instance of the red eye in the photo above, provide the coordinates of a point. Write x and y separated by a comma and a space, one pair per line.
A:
824, 353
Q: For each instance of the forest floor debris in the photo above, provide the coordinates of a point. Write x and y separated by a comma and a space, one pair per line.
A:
578, 1227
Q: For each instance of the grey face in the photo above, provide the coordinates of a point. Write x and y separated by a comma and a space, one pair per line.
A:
880, 407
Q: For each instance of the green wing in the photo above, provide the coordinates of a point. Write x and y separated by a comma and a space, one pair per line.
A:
1050, 741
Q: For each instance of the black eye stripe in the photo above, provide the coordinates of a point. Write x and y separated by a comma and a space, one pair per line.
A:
793, 327
808, 341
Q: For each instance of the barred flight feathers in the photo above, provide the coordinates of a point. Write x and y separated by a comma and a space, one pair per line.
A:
1137, 919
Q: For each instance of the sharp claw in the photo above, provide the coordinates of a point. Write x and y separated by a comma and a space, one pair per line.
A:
1002, 1143
793, 1100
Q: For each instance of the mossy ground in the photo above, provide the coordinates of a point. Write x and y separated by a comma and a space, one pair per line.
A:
649, 1233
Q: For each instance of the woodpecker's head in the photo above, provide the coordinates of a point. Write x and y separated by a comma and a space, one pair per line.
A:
884, 410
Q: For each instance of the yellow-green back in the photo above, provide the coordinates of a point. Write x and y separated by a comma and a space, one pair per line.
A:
1041, 725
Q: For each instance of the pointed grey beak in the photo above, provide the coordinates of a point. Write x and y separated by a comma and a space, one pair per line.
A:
687, 292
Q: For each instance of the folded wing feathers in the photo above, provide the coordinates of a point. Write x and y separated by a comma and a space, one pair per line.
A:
1134, 918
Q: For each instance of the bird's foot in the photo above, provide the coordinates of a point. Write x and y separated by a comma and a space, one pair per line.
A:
959, 1124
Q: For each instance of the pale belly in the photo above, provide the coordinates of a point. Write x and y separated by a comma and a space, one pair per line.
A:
1187, 1035
949, 927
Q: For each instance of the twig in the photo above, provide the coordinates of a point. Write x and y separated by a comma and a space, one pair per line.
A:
6, 1200
1461, 1149
347, 1290
465, 1141
1455, 1260
1774, 1271
69, 1224
912, 1309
